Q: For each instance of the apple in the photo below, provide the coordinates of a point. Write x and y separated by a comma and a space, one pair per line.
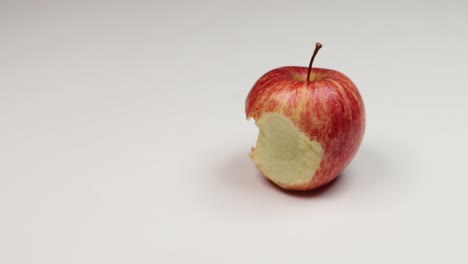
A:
311, 123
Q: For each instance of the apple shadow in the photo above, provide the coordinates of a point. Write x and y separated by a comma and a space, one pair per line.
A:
370, 171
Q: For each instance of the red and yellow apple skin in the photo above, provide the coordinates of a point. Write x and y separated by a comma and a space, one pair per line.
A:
328, 109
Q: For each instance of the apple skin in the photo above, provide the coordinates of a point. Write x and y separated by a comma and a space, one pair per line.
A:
328, 109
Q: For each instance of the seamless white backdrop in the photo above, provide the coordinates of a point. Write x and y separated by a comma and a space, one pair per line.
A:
123, 137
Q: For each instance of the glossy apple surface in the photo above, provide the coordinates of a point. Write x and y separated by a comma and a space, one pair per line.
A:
309, 130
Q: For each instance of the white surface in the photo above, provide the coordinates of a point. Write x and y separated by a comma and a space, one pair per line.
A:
123, 137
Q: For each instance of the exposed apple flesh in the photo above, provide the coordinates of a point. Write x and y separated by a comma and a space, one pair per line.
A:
284, 154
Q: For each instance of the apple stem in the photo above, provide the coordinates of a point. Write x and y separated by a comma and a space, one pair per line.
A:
318, 45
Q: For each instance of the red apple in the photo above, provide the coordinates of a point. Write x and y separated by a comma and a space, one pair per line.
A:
311, 123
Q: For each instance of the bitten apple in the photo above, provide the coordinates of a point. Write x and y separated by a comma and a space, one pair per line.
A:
311, 123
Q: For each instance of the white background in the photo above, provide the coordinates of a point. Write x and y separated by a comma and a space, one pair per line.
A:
123, 136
